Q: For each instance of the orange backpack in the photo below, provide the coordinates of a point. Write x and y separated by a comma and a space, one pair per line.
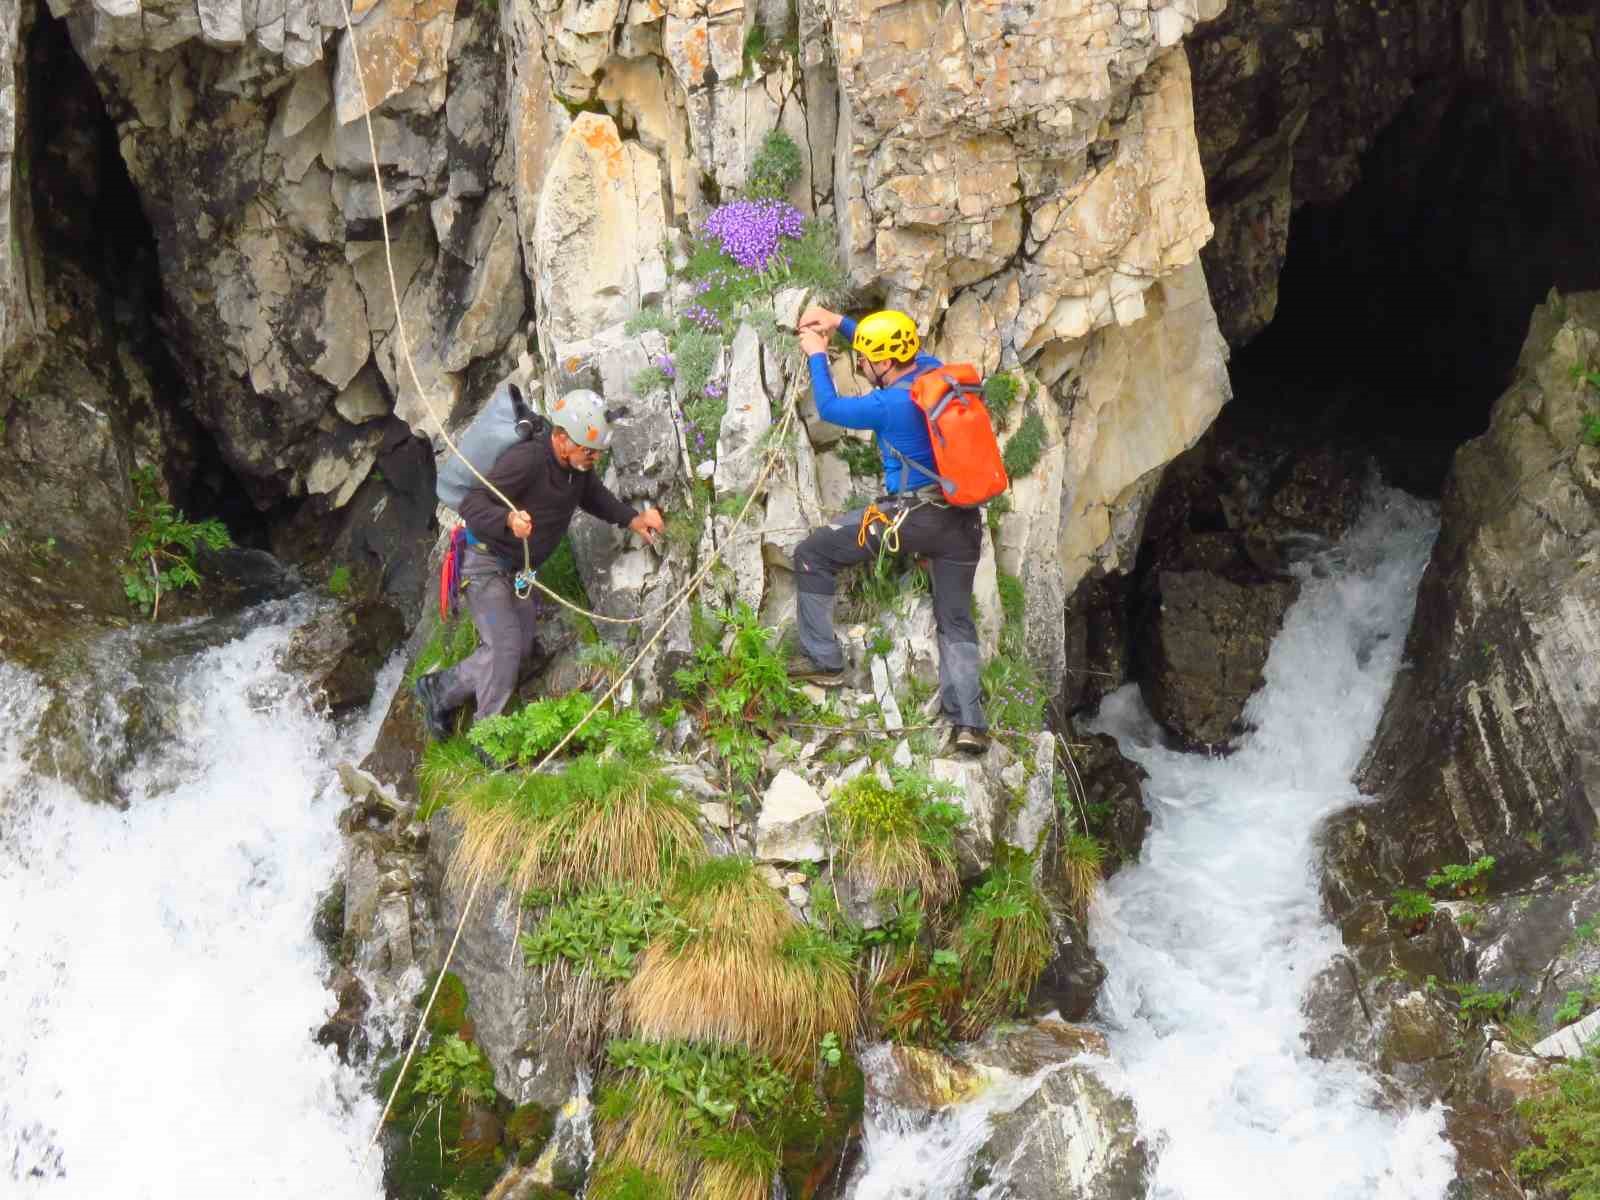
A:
966, 454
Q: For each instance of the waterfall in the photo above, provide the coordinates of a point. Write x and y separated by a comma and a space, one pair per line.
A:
1210, 941
157, 965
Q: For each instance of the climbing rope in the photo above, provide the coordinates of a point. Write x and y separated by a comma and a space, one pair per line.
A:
673, 608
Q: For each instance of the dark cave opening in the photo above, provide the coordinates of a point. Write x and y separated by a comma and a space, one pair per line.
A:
1402, 308
90, 222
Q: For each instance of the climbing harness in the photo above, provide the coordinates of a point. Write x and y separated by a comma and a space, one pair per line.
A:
672, 608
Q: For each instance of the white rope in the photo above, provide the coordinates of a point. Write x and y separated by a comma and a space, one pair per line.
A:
675, 606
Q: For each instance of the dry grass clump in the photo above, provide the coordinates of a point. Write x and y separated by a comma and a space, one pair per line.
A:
602, 822
644, 1143
739, 969
897, 839
1082, 858
731, 1180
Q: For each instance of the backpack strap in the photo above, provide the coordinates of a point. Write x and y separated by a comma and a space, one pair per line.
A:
947, 484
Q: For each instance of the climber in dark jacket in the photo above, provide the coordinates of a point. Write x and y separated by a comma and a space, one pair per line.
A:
951, 539
548, 479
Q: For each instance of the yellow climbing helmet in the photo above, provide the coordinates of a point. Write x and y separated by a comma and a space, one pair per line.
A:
886, 335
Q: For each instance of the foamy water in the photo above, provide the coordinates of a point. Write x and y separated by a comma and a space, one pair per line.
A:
157, 967
1210, 941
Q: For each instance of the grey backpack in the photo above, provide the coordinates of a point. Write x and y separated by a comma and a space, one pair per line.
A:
503, 422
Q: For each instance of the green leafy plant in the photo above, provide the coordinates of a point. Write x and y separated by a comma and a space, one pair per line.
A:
715, 1085
1564, 1117
1000, 393
448, 643
161, 553
1578, 1002
599, 932
1410, 910
862, 457
339, 581
1477, 1006
1025, 447
739, 695
453, 1068
1463, 879
532, 732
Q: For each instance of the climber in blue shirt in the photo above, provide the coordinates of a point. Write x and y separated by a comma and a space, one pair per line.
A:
911, 518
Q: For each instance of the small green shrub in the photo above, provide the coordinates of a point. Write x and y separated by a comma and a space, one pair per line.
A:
1410, 907
1477, 1006
1014, 694
863, 458
740, 696
1000, 393
1577, 1003
339, 581
1565, 1118
715, 1086
528, 735
1025, 447
649, 319
776, 166
600, 932
1468, 879
163, 543
894, 839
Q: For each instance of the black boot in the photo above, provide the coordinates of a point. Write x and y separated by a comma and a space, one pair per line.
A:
434, 717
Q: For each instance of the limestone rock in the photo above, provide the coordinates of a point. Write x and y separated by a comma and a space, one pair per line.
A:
746, 419
790, 827
599, 229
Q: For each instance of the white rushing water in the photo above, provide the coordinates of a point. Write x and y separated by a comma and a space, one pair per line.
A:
157, 968
1210, 941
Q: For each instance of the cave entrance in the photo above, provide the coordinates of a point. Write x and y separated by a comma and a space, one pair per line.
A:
1402, 307
102, 252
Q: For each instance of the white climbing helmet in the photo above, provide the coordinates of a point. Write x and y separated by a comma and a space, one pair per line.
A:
581, 415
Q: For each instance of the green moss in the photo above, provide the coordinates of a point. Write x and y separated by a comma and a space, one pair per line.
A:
528, 1130
815, 1140
1000, 394
449, 1012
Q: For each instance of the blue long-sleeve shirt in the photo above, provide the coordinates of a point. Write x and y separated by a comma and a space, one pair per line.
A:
888, 412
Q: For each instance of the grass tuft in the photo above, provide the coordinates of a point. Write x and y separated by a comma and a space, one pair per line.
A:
897, 839
732, 970
601, 823
1003, 941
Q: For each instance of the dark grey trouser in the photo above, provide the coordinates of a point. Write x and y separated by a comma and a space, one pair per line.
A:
506, 635
952, 540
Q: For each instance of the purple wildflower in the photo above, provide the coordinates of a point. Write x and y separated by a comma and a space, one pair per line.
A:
750, 230
714, 390
664, 361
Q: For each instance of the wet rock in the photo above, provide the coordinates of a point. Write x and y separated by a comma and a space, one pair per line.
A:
340, 653
1074, 1138
1488, 745
345, 1031
1204, 645
1111, 784
1070, 982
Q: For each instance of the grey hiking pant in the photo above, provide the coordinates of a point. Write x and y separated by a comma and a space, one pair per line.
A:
506, 636
952, 541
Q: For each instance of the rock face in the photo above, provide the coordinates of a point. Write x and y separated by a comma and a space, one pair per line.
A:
1205, 647
1489, 745
1291, 95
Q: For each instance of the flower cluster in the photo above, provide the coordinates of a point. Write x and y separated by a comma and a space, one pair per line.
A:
703, 316
663, 363
750, 231
714, 390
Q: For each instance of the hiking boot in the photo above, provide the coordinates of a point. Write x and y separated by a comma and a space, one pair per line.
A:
434, 717
969, 741
803, 670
